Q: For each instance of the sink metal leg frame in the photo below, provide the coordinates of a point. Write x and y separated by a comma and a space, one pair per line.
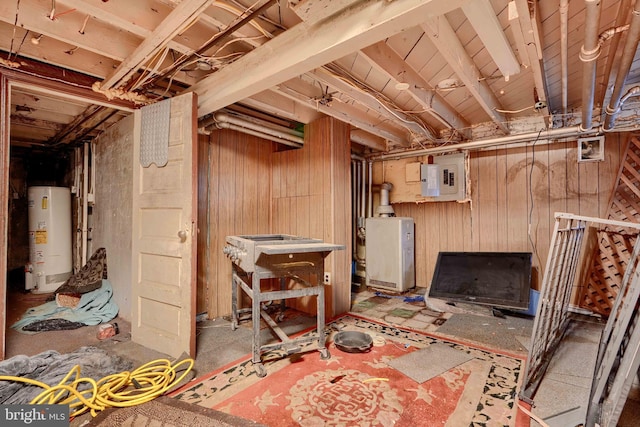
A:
258, 296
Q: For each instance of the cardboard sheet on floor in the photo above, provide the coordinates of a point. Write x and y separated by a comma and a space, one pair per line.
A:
429, 362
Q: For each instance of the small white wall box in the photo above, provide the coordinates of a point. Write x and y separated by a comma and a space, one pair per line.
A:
591, 149
445, 179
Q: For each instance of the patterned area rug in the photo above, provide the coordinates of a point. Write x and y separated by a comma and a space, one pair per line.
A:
363, 389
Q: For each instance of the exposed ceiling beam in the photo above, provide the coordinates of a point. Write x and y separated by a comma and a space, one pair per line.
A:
483, 19
446, 41
381, 56
241, 33
309, 45
315, 10
369, 101
527, 26
179, 19
280, 106
348, 114
368, 140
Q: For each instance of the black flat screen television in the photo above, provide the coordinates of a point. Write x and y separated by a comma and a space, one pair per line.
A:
500, 279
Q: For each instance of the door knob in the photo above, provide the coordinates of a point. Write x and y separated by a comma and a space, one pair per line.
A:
182, 235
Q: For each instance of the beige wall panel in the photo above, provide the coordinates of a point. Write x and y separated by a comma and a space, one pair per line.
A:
497, 218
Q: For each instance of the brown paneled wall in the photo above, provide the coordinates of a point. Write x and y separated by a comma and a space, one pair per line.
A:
247, 187
235, 198
312, 198
514, 195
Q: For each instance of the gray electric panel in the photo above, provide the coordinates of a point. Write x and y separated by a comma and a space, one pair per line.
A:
444, 180
390, 256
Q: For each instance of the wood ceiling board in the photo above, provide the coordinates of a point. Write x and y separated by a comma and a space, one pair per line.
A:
367, 100
386, 60
122, 16
347, 61
248, 33
179, 18
38, 114
404, 42
349, 114
427, 60
33, 16
25, 132
53, 52
47, 104
303, 48
360, 68
33, 122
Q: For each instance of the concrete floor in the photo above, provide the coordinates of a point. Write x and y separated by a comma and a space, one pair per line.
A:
561, 398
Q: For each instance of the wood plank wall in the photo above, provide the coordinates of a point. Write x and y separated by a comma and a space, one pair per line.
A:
247, 187
514, 195
235, 198
312, 198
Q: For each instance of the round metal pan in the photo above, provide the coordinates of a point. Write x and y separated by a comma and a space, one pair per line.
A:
353, 341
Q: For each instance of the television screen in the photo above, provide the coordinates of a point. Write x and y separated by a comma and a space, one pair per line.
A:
500, 279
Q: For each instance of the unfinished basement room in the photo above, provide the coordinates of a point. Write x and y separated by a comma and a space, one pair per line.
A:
320, 213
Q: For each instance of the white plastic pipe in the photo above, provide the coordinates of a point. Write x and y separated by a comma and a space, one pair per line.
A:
231, 126
568, 132
85, 202
274, 134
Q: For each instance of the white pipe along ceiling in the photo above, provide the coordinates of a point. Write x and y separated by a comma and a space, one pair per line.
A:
628, 53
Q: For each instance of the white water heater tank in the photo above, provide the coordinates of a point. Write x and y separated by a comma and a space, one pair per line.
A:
50, 253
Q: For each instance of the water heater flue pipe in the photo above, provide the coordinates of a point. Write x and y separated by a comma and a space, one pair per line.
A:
385, 209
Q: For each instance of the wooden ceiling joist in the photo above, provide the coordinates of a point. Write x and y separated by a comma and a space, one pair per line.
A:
384, 58
444, 38
307, 46
346, 113
369, 101
180, 18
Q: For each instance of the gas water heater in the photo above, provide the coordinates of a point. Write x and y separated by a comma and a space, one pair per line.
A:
50, 253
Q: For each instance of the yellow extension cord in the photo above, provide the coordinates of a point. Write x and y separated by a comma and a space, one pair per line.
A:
118, 390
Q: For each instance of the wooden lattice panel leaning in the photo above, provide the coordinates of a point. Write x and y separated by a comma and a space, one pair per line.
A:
611, 256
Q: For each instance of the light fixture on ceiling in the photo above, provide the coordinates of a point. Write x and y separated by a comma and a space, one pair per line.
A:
203, 65
36, 40
401, 84
483, 19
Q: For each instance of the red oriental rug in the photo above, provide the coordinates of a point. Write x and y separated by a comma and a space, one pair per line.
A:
363, 389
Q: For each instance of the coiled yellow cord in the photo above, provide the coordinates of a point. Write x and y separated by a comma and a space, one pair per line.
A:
118, 390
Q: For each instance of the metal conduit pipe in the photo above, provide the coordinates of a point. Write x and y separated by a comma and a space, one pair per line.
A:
564, 28
370, 212
354, 221
363, 190
567, 132
280, 134
624, 66
589, 52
